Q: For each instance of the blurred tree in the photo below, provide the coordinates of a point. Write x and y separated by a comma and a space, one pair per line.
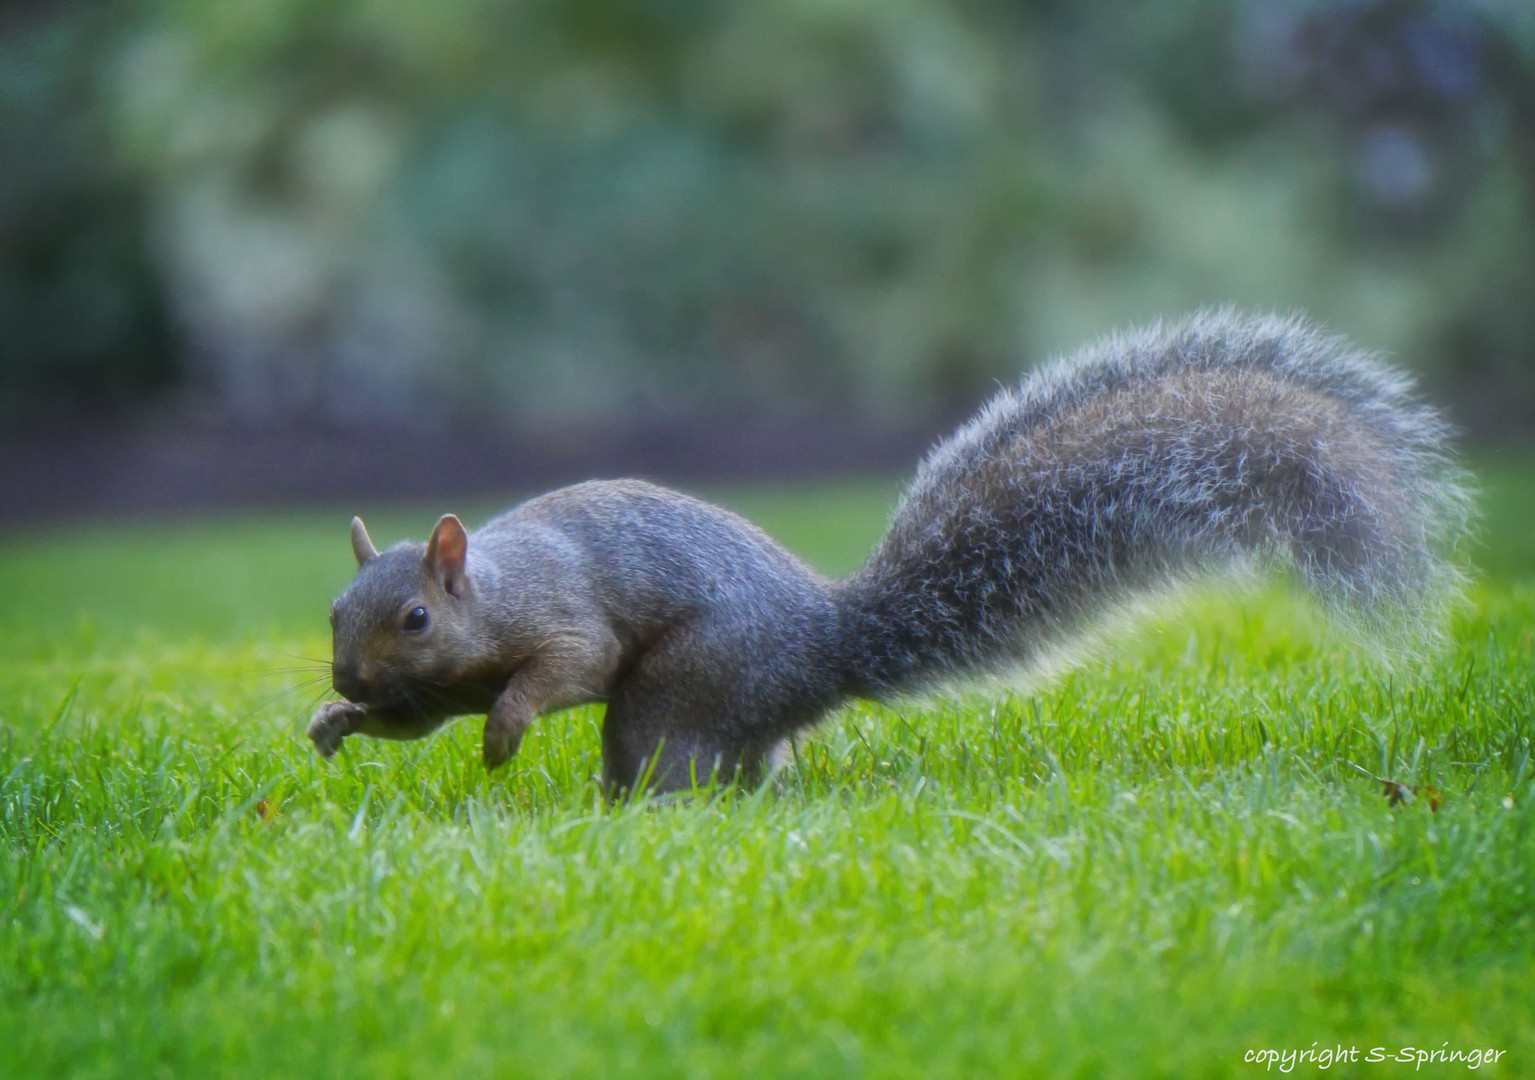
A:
376, 210
81, 313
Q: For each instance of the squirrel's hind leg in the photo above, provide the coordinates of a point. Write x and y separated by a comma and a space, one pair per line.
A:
671, 738
696, 707
638, 752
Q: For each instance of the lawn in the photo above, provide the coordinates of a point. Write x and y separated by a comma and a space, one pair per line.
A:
1157, 865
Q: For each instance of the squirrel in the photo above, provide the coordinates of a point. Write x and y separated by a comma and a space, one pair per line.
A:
1141, 463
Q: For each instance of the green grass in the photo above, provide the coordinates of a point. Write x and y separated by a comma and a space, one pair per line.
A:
1147, 868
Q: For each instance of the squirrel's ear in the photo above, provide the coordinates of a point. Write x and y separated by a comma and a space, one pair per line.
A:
362, 543
445, 553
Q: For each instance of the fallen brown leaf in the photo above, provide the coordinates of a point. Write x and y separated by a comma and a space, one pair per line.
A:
1406, 794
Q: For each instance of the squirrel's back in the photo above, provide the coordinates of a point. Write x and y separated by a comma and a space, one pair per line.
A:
1142, 461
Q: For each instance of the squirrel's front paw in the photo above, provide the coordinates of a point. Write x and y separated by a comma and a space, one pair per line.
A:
331, 723
501, 743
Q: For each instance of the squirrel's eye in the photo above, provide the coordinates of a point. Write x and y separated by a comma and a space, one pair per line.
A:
415, 619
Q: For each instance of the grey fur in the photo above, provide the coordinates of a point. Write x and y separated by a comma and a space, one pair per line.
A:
1142, 462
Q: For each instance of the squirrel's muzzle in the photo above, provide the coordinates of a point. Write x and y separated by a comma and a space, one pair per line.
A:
348, 681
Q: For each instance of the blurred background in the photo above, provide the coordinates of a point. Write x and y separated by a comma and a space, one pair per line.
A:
254, 251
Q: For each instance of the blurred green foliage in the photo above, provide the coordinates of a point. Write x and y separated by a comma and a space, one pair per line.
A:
378, 209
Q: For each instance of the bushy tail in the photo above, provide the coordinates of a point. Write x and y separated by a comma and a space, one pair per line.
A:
1143, 461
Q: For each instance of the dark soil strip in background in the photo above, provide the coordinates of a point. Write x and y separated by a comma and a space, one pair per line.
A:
132, 468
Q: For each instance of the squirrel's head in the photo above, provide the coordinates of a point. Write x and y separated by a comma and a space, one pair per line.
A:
402, 632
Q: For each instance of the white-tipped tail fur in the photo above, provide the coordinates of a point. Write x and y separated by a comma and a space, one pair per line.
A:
1151, 458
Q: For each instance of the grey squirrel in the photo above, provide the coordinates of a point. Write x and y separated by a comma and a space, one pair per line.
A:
1140, 463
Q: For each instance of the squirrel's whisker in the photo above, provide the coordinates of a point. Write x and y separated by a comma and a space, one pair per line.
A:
307, 684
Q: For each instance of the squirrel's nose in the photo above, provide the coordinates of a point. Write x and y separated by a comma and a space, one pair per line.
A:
348, 681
